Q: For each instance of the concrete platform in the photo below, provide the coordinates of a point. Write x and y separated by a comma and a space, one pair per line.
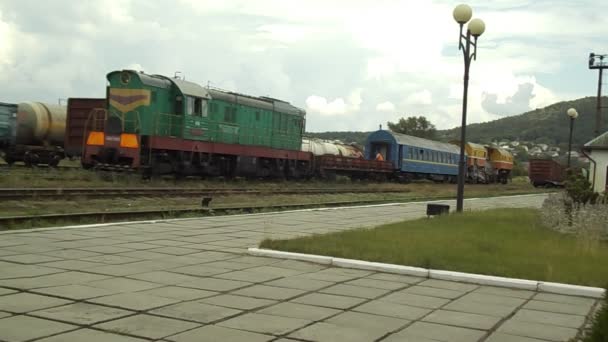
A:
191, 280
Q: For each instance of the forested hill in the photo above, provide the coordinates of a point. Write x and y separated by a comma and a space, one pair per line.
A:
549, 125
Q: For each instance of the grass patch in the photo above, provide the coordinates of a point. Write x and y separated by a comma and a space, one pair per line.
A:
501, 242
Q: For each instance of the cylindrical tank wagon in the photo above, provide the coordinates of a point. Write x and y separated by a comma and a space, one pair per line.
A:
34, 131
320, 147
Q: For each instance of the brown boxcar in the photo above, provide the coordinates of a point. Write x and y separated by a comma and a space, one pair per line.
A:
81, 117
546, 172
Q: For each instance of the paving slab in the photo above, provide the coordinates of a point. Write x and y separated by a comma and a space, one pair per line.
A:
335, 275
493, 299
415, 300
269, 292
502, 337
550, 297
467, 305
327, 332
537, 330
433, 292
380, 324
123, 284
237, 302
110, 259
300, 283
26, 302
24, 328
217, 333
573, 309
29, 258
90, 335
248, 275
134, 301
462, 319
82, 313
147, 326
354, 291
436, 332
550, 318
179, 293
383, 308
4, 291
164, 277
74, 292
449, 285
202, 270
265, 324
302, 311
215, 284
196, 312
330, 301
505, 292
12, 270
377, 284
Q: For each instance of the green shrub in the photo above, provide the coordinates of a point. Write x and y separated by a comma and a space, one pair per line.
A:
579, 189
599, 329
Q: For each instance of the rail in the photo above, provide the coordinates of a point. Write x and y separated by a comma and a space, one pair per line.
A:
112, 216
56, 193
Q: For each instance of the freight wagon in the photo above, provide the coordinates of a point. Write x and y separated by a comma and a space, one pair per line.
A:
546, 172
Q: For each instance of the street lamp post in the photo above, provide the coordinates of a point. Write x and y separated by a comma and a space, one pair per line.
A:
573, 114
462, 15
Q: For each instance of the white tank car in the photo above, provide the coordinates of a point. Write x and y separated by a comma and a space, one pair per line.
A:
320, 147
40, 123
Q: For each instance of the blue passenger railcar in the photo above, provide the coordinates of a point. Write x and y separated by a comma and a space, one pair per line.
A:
414, 157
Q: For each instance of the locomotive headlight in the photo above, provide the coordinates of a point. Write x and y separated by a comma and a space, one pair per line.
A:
128, 140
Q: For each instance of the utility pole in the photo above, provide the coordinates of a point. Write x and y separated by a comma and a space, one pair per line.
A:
598, 62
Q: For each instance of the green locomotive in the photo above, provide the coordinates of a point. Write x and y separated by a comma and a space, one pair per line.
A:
169, 125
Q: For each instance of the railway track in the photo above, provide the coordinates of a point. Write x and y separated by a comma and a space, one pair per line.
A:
90, 193
114, 216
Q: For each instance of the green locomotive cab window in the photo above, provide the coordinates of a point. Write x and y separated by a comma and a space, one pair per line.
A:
190, 105
153, 97
229, 114
179, 105
202, 107
125, 77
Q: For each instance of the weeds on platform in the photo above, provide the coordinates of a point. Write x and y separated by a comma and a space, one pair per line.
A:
599, 328
502, 242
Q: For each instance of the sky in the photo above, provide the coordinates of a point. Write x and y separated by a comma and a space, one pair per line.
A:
352, 65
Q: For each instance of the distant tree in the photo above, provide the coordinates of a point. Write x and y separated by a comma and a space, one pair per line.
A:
417, 126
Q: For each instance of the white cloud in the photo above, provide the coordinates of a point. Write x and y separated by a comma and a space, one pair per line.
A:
338, 106
423, 97
353, 56
387, 107
320, 105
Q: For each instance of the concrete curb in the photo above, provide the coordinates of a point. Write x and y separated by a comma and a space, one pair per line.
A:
522, 284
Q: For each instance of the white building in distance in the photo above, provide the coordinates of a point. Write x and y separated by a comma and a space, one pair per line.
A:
597, 149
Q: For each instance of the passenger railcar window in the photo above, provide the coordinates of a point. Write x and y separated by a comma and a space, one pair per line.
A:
257, 116
153, 97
